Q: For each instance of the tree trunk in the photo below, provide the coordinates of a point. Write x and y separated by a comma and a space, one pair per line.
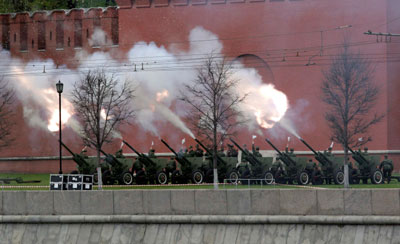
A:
215, 171
346, 169
99, 178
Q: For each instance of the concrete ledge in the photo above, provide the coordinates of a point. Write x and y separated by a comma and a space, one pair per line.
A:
204, 219
364, 202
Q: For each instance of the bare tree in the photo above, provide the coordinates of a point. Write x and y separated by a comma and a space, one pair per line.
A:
351, 94
6, 113
214, 104
101, 104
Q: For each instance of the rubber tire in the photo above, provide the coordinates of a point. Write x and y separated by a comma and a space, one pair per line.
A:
376, 177
197, 177
338, 177
316, 178
303, 178
233, 177
126, 178
268, 178
162, 178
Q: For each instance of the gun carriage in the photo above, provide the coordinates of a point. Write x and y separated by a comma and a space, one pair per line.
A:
292, 168
367, 168
260, 167
118, 170
331, 167
193, 169
147, 169
227, 167
84, 164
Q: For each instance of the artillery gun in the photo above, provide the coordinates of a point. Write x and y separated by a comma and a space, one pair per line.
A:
226, 166
193, 169
118, 171
331, 167
294, 169
260, 166
367, 168
150, 169
84, 164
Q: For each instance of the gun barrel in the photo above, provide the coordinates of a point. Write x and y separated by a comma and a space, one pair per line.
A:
237, 145
273, 146
69, 150
351, 150
133, 149
208, 151
172, 150
305, 143
205, 148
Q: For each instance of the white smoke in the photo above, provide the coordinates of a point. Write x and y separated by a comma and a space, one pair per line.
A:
157, 73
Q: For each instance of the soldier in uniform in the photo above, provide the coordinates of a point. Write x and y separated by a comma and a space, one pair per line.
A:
329, 153
84, 153
221, 151
231, 151
152, 153
256, 151
199, 152
191, 152
387, 168
310, 166
119, 154
291, 153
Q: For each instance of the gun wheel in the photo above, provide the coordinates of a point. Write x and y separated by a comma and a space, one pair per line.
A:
127, 178
162, 178
303, 178
269, 178
339, 177
233, 177
197, 177
376, 177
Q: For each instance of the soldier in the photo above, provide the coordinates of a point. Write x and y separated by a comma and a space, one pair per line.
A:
310, 166
329, 153
191, 152
221, 152
199, 152
152, 153
387, 168
231, 151
365, 151
119, 154
256, 151
83, 153
291, 153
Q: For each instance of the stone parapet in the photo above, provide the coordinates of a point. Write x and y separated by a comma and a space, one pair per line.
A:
326, 202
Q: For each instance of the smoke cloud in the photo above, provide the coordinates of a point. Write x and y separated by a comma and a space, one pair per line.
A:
157, 73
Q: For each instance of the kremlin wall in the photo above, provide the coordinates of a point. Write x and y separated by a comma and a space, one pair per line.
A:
289, 43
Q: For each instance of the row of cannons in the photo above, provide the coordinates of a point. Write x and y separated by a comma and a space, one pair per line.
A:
286, 168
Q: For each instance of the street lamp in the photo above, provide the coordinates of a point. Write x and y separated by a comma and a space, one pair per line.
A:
60, 87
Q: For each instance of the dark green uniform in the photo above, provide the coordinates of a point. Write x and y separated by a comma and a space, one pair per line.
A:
198, 152
256, 151
387, 168
231, 151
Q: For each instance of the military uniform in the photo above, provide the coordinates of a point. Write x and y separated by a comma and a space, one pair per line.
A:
256, 151
152, 153
386, 167
191, 152
231, 151
119, 154
198, 152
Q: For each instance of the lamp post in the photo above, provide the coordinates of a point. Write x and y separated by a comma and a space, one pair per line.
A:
60, 87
